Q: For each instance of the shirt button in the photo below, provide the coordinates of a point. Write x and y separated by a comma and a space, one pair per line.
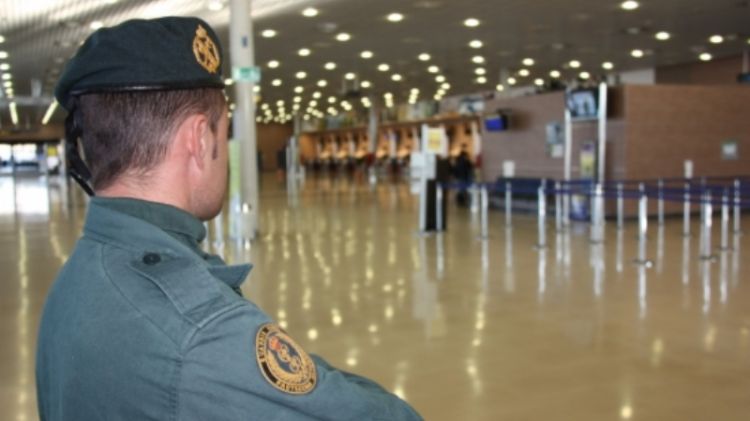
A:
151, 258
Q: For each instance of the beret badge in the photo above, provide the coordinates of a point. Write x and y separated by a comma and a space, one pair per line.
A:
206, 53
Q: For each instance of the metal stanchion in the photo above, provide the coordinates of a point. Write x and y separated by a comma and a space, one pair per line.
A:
620, 203
597, 214
725, 221
508, 203
558, 207
660, 202
566, 206
439, 208
542, 224
642, 226
686, 212
707, 219
474, 199
484, 216
737, 208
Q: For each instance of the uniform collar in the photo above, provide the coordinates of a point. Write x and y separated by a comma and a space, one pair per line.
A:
144, 226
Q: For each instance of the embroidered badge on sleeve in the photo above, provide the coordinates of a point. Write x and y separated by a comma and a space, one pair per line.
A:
284, 363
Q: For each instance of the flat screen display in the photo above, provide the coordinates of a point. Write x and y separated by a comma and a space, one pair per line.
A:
496, 123
583, 103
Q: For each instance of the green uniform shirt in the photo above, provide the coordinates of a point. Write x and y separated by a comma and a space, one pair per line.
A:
141, 324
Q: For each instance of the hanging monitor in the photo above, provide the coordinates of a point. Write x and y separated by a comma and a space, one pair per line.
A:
496, 122
583, 103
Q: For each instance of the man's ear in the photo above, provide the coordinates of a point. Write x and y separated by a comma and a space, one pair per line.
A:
194, 132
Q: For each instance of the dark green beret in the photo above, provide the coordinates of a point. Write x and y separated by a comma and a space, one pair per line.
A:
158, 54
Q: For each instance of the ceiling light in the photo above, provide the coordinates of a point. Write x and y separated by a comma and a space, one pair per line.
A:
475, 44
5, 66
439, 78
480, 71
511, 81
297, 99
445, 86
366, 54
97, 24
229, 81
716, 39
3, 54
607, 65
477, 59
322, 83
300, 75
276, 82
6, 76
298, 89
554, 74
268, 33
705, 57
426, 57
316, 95
500, 87
331, 99
8, 84
481, 79
343, 37
215, 5
433, 69
395, 17
629, 5
256, 88
637, 53
575, 64
330, 65
524, 72
528, 62
539, 82
273, 64
304, 52
584, 75
471, 22
365, 84
350, 76
383, 67
2, 39
396, 77
310, 12
663, 35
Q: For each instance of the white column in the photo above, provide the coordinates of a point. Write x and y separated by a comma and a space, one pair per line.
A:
242, 55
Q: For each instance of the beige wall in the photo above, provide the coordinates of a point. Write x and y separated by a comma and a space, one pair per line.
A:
271, 138
715, 72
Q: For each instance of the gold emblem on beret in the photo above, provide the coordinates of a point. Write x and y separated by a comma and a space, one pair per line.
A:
205, 50
284, 363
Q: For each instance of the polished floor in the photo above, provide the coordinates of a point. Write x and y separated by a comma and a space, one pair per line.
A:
464, 329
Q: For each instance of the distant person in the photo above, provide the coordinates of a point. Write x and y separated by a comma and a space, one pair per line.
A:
141, 324
463, 171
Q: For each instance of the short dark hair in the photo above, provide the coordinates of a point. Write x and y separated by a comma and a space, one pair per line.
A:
131, 131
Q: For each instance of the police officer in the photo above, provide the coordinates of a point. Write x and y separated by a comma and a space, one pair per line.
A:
140, 323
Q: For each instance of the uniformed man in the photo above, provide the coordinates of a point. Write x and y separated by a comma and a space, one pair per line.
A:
141, 324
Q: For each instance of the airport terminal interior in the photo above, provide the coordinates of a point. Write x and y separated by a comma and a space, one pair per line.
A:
498, 210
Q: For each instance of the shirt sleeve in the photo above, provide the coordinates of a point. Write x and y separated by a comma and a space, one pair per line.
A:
223, 377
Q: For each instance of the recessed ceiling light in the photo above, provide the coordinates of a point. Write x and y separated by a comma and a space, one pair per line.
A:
297, 99
477, 59
330, 65
481, 79
276, 82
528, 62
365, 84
343, 37
471, 22
584, 75
322, 83
273, 64
268, 33
6, 76
574, 64
396, 77
2, 39
366, 54
331, 99
316, 94
511, 81
475, 43
663, 35
304, 52
310, 12
439, 78
539, 82
433, 69
97, 24
705, 57
256, 88
480, 71
300, 75
426, 57
383, 67
629, 5
298, 89
637, 53
500, 87
445, 86
716, 39
4, 66
607, 65
395, 17
524, 72
350, 76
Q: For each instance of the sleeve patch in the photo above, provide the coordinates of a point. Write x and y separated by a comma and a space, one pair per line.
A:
284, 364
